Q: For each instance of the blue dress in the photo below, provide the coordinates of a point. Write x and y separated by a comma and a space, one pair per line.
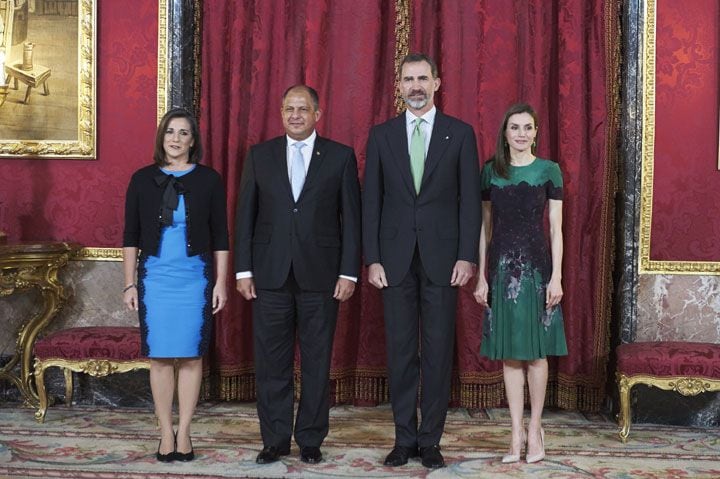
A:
175, 293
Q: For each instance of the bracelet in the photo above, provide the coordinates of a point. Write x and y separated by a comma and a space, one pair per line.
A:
129, 287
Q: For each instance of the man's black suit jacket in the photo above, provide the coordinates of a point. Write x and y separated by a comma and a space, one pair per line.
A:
443, 220
319, 235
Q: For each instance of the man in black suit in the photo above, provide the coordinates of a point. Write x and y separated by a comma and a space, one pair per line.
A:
421, 225
297, 255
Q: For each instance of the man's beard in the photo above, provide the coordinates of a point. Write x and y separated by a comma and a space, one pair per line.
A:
417, 104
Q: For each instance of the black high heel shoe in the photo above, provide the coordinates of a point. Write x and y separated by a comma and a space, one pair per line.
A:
184, 456
169, 457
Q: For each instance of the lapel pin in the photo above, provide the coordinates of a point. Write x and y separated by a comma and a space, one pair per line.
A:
447, 137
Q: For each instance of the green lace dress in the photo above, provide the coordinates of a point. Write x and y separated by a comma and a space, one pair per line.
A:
516, 324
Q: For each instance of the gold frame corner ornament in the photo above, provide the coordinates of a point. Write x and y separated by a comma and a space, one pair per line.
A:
84, 147
648, 265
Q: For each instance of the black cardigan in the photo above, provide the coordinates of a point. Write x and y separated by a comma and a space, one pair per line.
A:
205, 210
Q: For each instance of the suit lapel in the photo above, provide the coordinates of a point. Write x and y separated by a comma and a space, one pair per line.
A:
318, 156
397, 140
439, 141
279, 159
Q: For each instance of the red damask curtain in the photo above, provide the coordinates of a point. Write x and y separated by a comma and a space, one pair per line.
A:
558, 55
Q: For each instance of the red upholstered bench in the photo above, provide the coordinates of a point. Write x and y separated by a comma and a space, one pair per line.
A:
97, 351
685, 367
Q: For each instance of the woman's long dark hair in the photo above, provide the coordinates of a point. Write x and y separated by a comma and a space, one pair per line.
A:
196, 150
502, 150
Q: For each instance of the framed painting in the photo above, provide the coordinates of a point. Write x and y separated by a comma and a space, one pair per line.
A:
679, 200
48, 81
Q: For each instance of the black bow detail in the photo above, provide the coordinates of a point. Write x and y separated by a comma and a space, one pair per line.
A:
173, 188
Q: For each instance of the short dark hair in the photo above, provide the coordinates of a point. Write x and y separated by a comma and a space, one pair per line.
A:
502, 150
309, 90
196, 150
419, 57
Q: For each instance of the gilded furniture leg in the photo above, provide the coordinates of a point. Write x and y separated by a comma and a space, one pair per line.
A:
624, 416
42, 394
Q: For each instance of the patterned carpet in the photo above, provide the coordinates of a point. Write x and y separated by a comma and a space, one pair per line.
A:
85, 442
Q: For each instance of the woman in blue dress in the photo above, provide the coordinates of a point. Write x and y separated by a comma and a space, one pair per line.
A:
176, 245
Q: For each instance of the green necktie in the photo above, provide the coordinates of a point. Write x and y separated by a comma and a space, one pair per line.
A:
417, 154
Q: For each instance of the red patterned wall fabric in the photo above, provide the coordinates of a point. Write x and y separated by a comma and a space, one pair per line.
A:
557, 55
83, 200
686, 197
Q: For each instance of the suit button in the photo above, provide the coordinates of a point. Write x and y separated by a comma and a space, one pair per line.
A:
295, 210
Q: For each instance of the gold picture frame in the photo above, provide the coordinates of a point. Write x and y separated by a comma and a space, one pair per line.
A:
648, 265
50, 65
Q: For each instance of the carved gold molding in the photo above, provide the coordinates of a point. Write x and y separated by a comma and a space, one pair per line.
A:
35, 266
163, 78
648, 265
99, 254
92, 367
84, 146
402, 43
685, 385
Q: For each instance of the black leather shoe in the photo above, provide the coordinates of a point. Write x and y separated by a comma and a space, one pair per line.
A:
169, 457
184, 456
399, 456
431, 457
310, 454
271, 454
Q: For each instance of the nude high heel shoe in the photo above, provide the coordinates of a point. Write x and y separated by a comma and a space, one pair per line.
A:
541, 455
510, 458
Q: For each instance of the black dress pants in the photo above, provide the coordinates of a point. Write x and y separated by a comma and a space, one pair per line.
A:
278, 315
420, 337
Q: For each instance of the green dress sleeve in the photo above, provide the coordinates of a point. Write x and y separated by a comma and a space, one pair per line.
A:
554, 184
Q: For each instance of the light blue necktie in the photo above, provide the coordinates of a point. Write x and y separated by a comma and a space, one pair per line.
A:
297, 170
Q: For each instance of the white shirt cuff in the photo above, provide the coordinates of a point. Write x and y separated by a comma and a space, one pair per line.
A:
248, 274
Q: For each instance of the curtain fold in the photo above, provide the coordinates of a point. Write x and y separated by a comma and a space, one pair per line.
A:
557, 55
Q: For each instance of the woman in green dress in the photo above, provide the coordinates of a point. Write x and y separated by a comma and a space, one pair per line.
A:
522, 291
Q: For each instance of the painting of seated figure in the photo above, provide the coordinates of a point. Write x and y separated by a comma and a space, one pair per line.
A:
47, 86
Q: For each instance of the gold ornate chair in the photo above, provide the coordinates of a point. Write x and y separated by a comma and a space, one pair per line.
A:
97, 351
685, 367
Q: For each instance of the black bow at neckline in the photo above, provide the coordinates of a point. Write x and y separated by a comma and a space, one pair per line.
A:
172, 188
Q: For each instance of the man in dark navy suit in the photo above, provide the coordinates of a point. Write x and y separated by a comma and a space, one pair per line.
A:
421, 226
297, 256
